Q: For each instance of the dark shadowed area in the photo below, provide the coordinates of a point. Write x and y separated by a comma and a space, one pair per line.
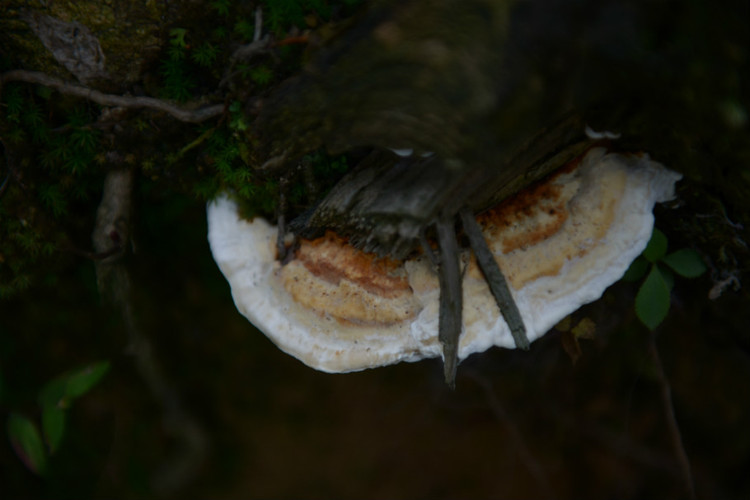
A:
519, 424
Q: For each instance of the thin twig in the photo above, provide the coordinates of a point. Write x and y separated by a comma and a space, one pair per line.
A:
5, 183
451, 299
250, 50
114, 280
427, 249
193, 144
258, 23
495, 279
258, 45
514, 434
674, 429
292, 40
282, 208
182, 114
116, 249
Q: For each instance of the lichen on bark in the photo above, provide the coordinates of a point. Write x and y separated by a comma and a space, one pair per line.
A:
130, 35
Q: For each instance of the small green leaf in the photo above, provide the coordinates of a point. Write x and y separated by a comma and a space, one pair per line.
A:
686, 262
177, 36
657, 246
636, 271
26, 442
667, 274
53, 392
652, 301
81, 381
238, 124
70, 385
221, 6
53, 425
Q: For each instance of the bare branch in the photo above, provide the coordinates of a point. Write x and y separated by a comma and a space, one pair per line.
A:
115, 283
451, 299
246, 52
182, 114
5, 183
258, 23
115, 250
495, 279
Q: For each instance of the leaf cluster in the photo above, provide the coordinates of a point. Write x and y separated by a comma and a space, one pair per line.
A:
177, 81
653, 299
54, 401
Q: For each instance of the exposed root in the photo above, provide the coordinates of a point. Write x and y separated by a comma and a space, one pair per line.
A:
672, 426
111, 236
182, 114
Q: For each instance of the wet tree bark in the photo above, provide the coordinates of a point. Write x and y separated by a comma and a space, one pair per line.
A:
501, 93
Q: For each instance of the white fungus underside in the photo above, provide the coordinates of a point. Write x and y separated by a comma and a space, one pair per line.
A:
244, 252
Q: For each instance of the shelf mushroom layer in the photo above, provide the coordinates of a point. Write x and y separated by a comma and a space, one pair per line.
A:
560, 244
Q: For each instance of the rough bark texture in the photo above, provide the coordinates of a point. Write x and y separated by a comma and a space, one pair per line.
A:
105, 43
478, 83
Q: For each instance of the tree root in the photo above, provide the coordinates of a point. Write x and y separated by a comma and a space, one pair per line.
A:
675, 435
112, 232
182, 114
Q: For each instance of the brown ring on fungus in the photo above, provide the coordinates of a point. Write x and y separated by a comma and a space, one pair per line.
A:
560, 244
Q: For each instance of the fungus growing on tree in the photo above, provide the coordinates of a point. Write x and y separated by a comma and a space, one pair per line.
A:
560, 243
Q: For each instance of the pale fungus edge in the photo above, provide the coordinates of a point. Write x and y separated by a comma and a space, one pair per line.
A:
244, 252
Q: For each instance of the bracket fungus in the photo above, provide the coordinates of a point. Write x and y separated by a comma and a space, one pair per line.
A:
560, 243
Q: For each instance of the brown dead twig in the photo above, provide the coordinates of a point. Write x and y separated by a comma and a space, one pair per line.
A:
183, 114
672, 426
515, 436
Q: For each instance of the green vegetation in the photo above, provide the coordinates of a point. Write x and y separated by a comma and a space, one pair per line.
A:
178, 83
653, 299
51, 153
54, 400
63, 146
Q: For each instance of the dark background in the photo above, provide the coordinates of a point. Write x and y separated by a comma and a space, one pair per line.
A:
519, 424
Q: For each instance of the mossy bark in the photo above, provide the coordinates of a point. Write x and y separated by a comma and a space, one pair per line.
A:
130, 34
